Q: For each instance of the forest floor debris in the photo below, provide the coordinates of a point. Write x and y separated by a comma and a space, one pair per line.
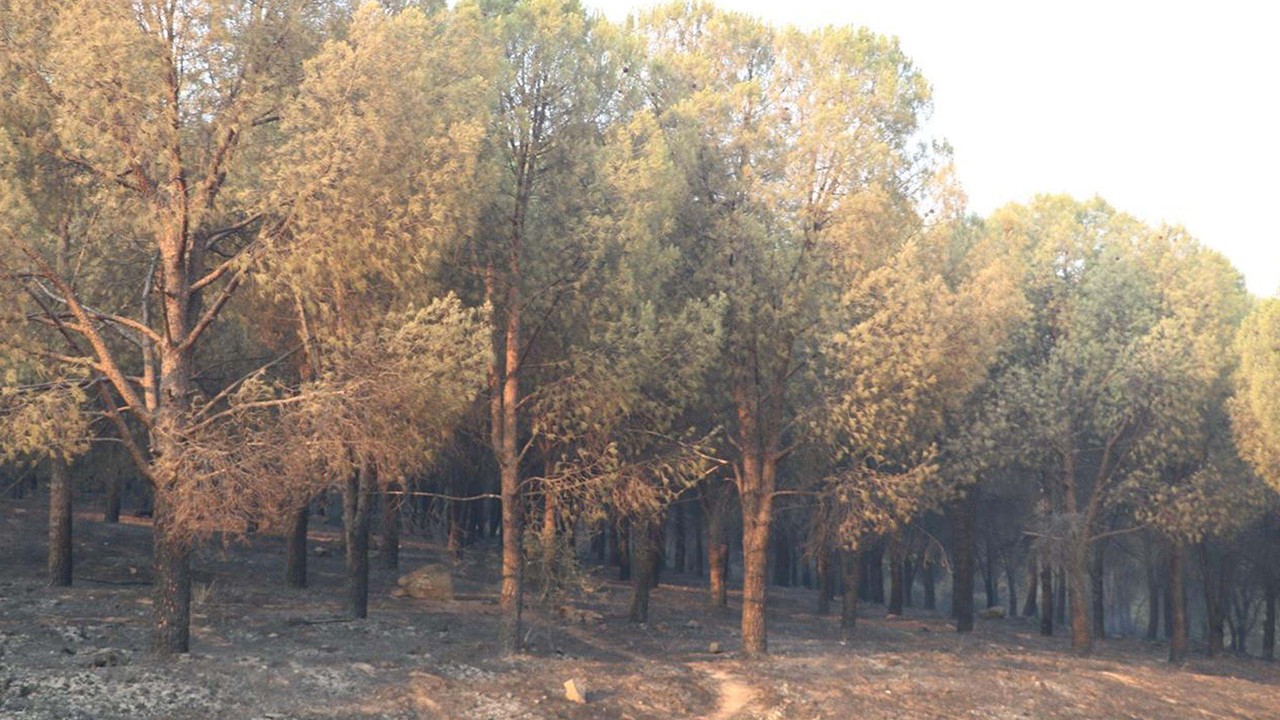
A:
81, 652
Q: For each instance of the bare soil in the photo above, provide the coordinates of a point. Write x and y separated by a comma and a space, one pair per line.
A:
260, 650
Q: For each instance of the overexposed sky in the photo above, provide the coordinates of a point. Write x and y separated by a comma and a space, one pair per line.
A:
1170, 111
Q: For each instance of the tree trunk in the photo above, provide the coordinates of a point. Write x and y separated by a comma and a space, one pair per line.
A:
874, 578
990, 581
962, 573
823, 569
680, 555
646, 561
717, 548
355, 526
504, 402
295, 572
656, 537
457, 529
781, 552
1060, 597
908, 582
1096, 577
392, 502
1046, 600
59, 522
1077, 586
547, 540
698, 545
623, 550
757, 510
1029, 607
1177, 608
930, 591
851, 565
896, 576
115, 488
1212, 573
172, 601
1269, 619
1009, 573
1153, 600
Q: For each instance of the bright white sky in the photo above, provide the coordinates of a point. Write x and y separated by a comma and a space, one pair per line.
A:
1168, 110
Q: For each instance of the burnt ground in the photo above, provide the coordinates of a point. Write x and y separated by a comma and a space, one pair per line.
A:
262, 651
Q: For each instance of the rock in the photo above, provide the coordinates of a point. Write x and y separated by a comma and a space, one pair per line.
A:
993, 613
693, 625
572, 614
109, 657
320, 551
714, 648
429, 582
574, 691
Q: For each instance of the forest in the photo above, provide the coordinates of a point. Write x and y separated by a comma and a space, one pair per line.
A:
689, 296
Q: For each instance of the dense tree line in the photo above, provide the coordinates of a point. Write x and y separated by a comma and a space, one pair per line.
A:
528, 270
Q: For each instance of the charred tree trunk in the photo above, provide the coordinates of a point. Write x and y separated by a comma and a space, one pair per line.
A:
1212, 573
623, 549
1177, 608
1030, 607
457, 530
392, 502
874, 569
115, 489
1269, 619
548, 540
1060, 597
908, 583
1009, 573
717, 548
1096, 577
962, 589
990, 580
896, 576
851, 565
930, 591
1153, 600
1046, 600
59, 561
825, 575
680, 552
355, 527
646, 562
656, 545
295, 571
698, 545
172, 601
781, 544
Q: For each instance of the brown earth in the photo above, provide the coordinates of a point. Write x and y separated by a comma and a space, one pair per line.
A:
263, 651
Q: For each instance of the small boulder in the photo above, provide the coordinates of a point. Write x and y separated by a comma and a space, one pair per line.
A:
993, 613
109, 657
693, 625
714, 648
575, 691
320, 551
580, 616
429, 582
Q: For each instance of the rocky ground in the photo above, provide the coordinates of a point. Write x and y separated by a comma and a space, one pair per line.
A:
262, 651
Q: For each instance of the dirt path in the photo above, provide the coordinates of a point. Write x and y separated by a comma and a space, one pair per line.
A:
735, 695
